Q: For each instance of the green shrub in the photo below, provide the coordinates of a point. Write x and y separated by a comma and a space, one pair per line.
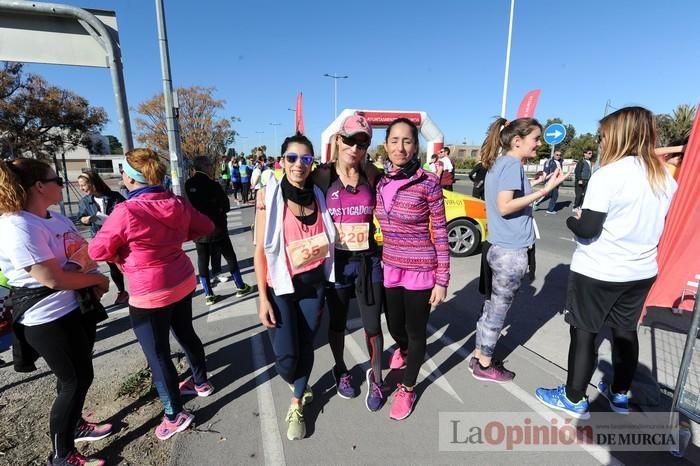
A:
466, 164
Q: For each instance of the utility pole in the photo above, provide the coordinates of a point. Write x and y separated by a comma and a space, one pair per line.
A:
170, 104
274, 135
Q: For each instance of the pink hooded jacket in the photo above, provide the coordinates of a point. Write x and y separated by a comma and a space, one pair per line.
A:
144, 236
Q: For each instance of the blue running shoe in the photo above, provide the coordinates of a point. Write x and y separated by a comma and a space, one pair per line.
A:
343, 383
619, 402
375, 398
556, 398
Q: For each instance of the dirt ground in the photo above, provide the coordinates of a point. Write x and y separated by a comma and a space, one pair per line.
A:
133, 408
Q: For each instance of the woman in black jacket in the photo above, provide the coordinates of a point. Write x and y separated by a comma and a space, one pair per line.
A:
94, 207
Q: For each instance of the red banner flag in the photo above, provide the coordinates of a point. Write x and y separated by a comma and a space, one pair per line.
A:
679, 248
300, 115
528, 104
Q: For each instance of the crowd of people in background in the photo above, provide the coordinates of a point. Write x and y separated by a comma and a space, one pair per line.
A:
315, 248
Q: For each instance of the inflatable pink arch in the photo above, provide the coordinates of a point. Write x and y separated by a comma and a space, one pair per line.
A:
381, 119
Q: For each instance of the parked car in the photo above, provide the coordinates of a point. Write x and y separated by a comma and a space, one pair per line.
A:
466, 223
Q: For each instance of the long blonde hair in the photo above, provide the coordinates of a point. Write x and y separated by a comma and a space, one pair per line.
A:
500, 135
632, 131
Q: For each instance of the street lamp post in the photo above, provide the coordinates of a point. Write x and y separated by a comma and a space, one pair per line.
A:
505, 78
608, 106
274, 134
335, 77
295, 117
260, 133
241, 137
171, 122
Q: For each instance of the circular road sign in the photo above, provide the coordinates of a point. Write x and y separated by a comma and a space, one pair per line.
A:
554, 134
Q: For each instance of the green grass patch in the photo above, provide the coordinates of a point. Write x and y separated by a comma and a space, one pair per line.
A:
136, 385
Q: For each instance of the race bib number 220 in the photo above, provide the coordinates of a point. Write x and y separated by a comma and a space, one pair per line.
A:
352, 236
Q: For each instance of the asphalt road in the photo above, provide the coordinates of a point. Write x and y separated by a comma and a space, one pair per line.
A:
243, 422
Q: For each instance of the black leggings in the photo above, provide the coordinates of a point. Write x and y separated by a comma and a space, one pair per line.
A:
583, 355
407, 313
117, 276
207, 251
338, 300
245, 189
66, 346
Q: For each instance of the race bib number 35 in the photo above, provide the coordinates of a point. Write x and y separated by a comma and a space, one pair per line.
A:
305, 251
352, 236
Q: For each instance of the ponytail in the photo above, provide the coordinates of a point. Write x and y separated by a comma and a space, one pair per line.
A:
492, 143
500, 135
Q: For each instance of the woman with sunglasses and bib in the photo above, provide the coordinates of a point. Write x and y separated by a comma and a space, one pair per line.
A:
416, 256
351, 199
294, 237
46, 261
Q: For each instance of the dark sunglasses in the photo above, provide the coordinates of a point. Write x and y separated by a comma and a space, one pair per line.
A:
306, 159
350, 141
58, 180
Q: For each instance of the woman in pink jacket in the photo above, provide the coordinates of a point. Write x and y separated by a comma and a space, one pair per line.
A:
416, 256
144, 236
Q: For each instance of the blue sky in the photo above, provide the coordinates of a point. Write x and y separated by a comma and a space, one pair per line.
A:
443, 57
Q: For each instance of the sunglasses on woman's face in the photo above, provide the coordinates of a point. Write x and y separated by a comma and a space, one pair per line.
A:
306, 159
58, 180
351, 141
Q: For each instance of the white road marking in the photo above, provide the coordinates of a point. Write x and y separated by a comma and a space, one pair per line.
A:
273, 449
597, 452
569, 239
433, 374
228, 310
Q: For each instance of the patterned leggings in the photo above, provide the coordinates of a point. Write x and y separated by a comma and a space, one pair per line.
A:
508, 266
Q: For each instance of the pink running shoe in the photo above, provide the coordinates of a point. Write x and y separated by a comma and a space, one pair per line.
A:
168, 428
402, 406
90, 431
188, 387
494, 373
74, 458
398, 360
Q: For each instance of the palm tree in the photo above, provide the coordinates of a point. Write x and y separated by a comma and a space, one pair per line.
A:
675, 129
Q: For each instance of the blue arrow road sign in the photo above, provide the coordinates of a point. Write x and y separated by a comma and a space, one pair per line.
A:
554, 134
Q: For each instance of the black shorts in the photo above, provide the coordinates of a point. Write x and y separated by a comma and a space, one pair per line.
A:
592, 304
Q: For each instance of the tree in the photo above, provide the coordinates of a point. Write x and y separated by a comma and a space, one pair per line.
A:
580, 144
41, 120
202, 130
545, 150
115, 147
675, 129
381, 151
